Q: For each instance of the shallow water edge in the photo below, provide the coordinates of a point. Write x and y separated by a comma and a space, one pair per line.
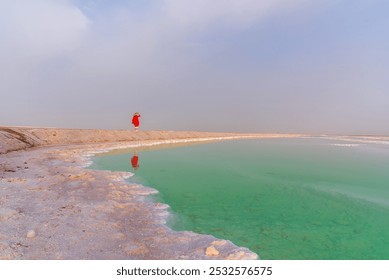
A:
184, 244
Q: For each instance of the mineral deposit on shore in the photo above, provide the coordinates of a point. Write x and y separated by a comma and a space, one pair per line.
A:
52, 207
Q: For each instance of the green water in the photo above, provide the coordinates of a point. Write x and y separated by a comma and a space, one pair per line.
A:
281, 198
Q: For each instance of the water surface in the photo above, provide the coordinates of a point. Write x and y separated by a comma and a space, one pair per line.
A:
281, 198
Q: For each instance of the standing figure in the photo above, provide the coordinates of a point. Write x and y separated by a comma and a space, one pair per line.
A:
135, 120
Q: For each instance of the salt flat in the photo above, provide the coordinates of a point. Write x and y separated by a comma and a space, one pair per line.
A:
51, 207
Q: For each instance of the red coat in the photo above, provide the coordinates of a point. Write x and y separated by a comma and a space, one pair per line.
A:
135, 120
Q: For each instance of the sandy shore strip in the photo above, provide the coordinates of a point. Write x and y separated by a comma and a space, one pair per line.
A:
52, 207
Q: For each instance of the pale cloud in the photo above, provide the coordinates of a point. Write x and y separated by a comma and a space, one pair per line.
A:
200, 13
40, 27
33, 34
185, 64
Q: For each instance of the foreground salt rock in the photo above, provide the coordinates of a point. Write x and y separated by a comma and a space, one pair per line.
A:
211, 251
31, 234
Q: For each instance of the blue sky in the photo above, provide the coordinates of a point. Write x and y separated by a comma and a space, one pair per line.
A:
222, 65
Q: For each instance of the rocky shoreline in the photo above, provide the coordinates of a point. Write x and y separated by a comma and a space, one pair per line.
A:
52, 207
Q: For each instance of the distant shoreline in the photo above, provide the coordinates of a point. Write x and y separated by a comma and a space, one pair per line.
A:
18, 138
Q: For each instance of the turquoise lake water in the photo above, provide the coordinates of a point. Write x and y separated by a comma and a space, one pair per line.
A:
281, 198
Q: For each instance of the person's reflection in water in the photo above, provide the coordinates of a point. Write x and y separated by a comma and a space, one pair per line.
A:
134, 161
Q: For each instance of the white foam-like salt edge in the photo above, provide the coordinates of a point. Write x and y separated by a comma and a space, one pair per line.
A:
358, 139
345, 145
162, 206
87, 156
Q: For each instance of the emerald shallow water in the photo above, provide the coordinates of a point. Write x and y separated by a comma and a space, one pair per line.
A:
281, 198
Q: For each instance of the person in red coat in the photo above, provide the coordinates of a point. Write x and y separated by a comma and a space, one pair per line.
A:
135, 120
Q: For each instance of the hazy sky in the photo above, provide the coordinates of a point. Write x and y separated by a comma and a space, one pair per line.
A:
216, 65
